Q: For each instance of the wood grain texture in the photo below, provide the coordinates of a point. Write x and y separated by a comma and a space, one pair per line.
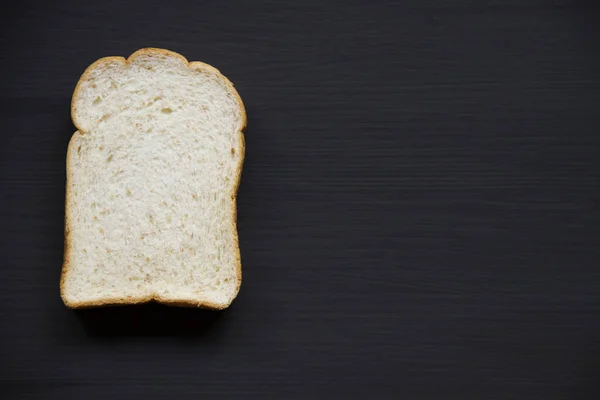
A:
418, 215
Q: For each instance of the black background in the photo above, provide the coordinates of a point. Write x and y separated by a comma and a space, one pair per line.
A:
419, 211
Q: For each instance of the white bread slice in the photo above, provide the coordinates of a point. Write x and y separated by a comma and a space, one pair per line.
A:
152, 177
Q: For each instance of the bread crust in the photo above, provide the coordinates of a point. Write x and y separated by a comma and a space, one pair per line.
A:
131, 300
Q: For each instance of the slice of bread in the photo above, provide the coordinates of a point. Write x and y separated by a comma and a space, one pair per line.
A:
152, 177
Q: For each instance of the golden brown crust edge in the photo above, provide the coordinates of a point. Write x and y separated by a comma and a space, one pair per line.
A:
130, 300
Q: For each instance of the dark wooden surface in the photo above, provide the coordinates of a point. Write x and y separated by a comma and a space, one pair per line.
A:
419, 213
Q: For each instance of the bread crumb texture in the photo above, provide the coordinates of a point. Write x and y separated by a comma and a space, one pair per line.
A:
152, 177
